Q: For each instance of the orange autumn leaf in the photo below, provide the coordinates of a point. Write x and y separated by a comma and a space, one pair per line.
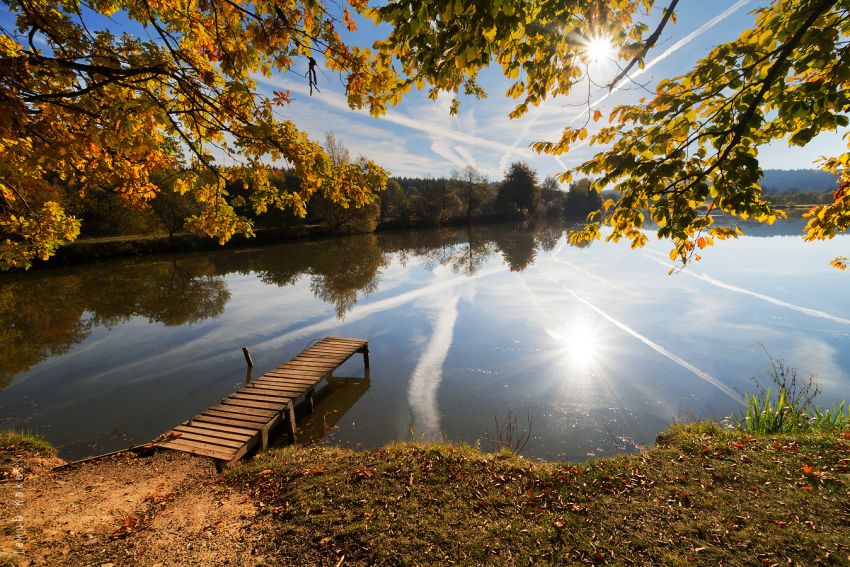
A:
807, 470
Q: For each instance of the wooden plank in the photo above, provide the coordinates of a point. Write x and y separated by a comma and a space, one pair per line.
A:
277, 379
329, 354
343, 341
281, 379
254, 412
197, 448
203, 437
322, 347
213, 423
246, 394
242, 437
242, 419
332, 347
276, 385
300, 370
337, 359
307, 365
274, 407
209, 440
328, 349
302, 373
302, 376
290, 392
262, 390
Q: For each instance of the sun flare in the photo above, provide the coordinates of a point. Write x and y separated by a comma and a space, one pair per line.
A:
599, 49
580, 341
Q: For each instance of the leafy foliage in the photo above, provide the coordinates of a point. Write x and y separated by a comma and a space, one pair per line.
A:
85, 110
519, 193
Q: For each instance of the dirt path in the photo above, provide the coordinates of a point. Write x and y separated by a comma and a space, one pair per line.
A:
168, 508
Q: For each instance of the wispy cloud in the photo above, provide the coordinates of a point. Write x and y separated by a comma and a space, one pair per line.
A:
338, 101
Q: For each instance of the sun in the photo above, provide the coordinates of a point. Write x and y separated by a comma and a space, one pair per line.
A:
599, 49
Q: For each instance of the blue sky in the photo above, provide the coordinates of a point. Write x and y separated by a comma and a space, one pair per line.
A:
419, 137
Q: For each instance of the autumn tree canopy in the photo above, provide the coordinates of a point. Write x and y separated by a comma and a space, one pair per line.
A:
689, 150
86, 109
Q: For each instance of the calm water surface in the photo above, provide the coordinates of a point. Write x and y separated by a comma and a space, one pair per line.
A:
599, 346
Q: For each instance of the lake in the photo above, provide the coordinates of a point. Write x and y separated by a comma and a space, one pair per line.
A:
597, 347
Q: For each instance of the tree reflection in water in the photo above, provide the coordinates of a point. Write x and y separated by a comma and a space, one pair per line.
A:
45, 313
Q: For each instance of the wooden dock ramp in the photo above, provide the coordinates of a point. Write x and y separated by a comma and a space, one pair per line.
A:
228, 430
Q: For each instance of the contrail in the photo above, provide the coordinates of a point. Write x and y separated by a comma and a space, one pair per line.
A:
339, 102
773, 300
594, 276
428, 374
701, 374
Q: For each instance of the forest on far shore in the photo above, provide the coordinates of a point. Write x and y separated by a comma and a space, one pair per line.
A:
466, 196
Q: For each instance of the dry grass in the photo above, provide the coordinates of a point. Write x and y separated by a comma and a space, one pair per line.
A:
702, 495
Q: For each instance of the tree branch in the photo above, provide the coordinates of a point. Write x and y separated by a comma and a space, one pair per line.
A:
650, 43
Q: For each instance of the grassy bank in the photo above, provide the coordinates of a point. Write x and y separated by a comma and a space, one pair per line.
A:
703, 494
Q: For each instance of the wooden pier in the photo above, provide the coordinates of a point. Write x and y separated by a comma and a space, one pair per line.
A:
228, 430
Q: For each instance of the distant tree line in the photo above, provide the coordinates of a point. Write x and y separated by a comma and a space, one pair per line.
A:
467, 196
799, 197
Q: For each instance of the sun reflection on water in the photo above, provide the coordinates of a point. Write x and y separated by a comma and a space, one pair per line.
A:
581, 341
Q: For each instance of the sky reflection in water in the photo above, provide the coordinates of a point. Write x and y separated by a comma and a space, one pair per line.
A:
599, 345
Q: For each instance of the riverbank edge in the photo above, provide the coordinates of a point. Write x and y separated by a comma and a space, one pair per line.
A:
702, 494
88, 250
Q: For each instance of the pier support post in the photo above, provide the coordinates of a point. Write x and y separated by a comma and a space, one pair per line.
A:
366, 357
290, 423
308, 397
248, 358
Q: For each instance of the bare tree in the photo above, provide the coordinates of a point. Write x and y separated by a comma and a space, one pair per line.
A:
336, 149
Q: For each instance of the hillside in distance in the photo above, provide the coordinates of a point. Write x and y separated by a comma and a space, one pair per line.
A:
798, 180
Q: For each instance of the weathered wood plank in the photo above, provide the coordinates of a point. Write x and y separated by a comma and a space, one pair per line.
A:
220, 425
210, 440
335, 342
275, 407
246, 394
197, 448
281, 378
275, 385
261, 390
266, 414
241, 437
242, 419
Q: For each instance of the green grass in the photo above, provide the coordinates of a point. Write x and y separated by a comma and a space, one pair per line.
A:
703, 494
17, 447
792, 409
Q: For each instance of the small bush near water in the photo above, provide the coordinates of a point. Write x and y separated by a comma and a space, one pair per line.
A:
789, 405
